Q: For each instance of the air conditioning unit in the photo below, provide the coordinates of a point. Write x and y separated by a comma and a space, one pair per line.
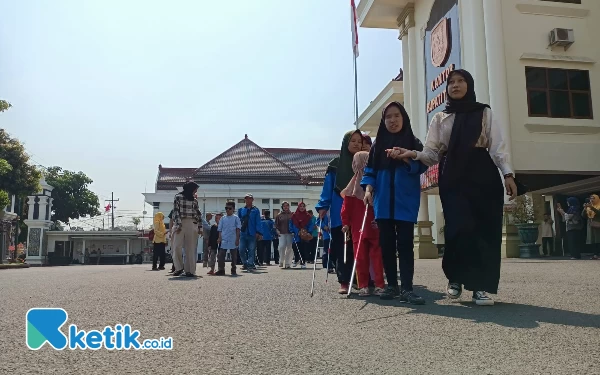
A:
561, 38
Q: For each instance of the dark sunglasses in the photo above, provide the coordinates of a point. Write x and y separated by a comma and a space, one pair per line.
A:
229, 208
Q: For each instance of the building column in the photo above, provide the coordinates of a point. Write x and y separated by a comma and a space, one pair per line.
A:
406, 75
497, 80
413, 39
424, 247
82, 256
476, 38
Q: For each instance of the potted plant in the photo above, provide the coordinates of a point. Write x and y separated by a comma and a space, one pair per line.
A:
524, 220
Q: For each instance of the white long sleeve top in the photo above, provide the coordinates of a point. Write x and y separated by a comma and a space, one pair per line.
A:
492, 138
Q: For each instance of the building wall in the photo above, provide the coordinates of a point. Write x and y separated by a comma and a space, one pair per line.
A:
559, 150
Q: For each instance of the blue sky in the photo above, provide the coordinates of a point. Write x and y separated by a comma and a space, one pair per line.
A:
114, 88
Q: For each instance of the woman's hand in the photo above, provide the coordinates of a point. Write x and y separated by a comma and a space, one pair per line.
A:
345, 229
368, 199
322, 213
511, 187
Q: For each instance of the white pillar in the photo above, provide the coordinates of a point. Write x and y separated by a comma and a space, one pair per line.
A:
476, 38
82, 256
498, 88
415, 114
406, 76
424, 208
127, 247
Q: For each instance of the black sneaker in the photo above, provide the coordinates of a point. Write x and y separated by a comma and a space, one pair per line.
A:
454, 290
219, 273
408, 296
189, 274
390, 292
177, 273
482, 299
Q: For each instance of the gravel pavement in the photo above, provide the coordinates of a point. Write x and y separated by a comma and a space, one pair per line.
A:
546, 321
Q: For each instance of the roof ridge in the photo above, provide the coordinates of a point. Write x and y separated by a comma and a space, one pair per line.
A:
246, 140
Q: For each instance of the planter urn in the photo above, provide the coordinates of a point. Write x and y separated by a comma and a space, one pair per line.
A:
528, 234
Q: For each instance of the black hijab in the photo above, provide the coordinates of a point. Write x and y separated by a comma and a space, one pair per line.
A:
188, 190
466, 129
384, 140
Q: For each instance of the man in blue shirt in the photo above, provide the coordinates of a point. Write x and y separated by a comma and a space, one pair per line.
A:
250, 233
265, 244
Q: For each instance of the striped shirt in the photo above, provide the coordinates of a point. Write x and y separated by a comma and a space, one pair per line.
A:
185, 209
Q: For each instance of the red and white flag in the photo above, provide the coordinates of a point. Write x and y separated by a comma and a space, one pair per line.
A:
354, 28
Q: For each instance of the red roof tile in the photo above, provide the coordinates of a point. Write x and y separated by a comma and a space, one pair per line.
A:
248, 163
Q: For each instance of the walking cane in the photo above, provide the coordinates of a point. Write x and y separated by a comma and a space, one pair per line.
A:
312, 288
345, 246
362, 231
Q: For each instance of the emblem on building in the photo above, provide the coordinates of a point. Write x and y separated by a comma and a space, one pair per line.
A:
440, 43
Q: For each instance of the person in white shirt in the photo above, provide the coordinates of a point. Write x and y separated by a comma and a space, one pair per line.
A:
470, 148
229, 229
547, 235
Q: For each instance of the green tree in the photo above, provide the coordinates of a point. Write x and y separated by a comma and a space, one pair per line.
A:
72, 198
4, 197
4, 105
136, 221
21, 178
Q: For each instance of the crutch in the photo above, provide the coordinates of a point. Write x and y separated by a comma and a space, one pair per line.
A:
356, 251
312, 287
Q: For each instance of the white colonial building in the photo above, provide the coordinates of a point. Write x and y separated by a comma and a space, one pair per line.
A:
534, 61
271, 175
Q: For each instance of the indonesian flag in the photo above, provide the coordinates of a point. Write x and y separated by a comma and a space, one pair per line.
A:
354, 28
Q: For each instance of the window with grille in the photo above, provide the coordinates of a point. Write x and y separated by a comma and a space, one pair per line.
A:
156, 205
265, 201
558, 93
242, 200
276, 201
294, 204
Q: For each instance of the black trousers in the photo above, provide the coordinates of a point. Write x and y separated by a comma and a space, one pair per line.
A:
325, 257
264, 251
548, 245
573, 241
276, 250
300, 251
312, 249
343, 269
159, 252
396, 237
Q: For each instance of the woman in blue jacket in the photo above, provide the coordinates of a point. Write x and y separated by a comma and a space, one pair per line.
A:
393, 187
338, 175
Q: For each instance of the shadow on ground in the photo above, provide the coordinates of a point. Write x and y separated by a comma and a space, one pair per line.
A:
514, 315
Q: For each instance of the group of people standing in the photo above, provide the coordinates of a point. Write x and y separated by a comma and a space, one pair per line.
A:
375, 198
369, 206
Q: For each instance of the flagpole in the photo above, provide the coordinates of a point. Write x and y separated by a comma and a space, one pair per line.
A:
355, 93
354, 29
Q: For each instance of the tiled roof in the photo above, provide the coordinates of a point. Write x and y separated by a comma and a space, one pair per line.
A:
248, 163
247, 160
171, 178
311, 164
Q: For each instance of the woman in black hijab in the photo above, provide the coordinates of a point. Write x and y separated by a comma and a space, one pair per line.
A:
470, 148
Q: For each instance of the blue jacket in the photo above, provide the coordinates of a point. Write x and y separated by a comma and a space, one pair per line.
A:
266, 229
330, 200
324, 223
294, 230
402, 191
254, 222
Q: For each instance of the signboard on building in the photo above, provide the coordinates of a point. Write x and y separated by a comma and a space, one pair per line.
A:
442, 53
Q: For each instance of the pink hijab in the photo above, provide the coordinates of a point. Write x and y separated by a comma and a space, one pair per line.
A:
358, 165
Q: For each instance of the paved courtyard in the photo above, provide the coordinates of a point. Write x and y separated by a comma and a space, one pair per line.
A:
546, 321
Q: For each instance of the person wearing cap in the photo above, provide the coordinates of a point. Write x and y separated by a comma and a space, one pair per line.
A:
187, 221
250, 232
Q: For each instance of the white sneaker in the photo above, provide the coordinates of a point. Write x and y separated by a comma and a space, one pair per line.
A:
303, 266
482, 299
454, 290
364, 292
378, 291
294, 264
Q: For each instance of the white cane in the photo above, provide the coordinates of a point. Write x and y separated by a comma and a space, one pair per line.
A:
356, 251
312, 288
